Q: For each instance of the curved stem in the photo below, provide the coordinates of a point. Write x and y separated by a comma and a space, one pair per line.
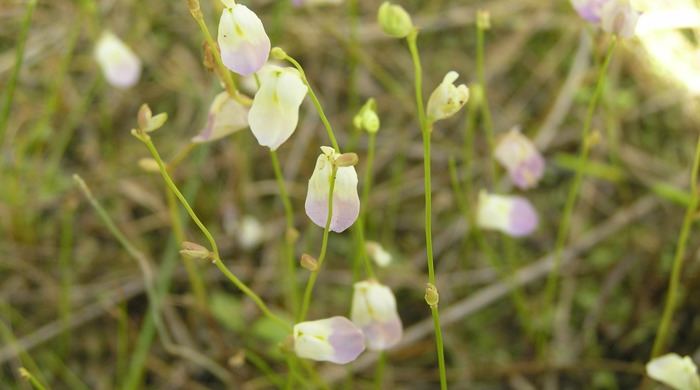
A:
363, 206
321, 114
288, 245
563, 231
215, 250
425, 129
674, 282
312, 279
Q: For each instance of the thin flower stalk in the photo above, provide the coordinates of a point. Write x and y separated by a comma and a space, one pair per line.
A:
215, 250
674, 281
484, 103
317, 104
562, 233
312, 279
288, 244
412, 45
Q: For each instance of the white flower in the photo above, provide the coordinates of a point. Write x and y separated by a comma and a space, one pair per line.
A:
334, 339
120, 65
680, 373
244, 44
519, 156
620, 18
447, 98
346, 202
374, 311
226, 116
274, 114
512, 215
377, 252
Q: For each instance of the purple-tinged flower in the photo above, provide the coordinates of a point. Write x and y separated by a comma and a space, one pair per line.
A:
120, 65
274, 115
346, 202
244, 44
226, 116
313, 3
619, 18
591, 10
513, 215
679, 373
335, 339
524, 163
374, 311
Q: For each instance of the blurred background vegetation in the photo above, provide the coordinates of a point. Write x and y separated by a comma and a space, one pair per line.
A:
74, 310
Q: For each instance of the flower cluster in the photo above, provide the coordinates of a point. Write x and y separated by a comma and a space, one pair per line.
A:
617, 17
374, 324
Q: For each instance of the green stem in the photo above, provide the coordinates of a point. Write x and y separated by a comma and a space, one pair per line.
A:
674, 282
312, 279
215, 250
321, 114
425, 129
361, 221
379, 371
562, 233
12, 81
28, 376
288, 246
506, 275
484, 103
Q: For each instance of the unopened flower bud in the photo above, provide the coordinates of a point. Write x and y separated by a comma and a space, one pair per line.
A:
278, 53
431, 295
309, 262
483, 19
394, 20
346, 160
144, 116
194, 251
367, 119
291, 235
149, 165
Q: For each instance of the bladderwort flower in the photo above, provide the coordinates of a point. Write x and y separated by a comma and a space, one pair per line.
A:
524, 163
447, 98
374, 311
590, 10
226, 116
346, 201
620, 18
245, 47
512, 215
336, 340
274, 114
377, 253
679, 373
614, 16
120, 65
